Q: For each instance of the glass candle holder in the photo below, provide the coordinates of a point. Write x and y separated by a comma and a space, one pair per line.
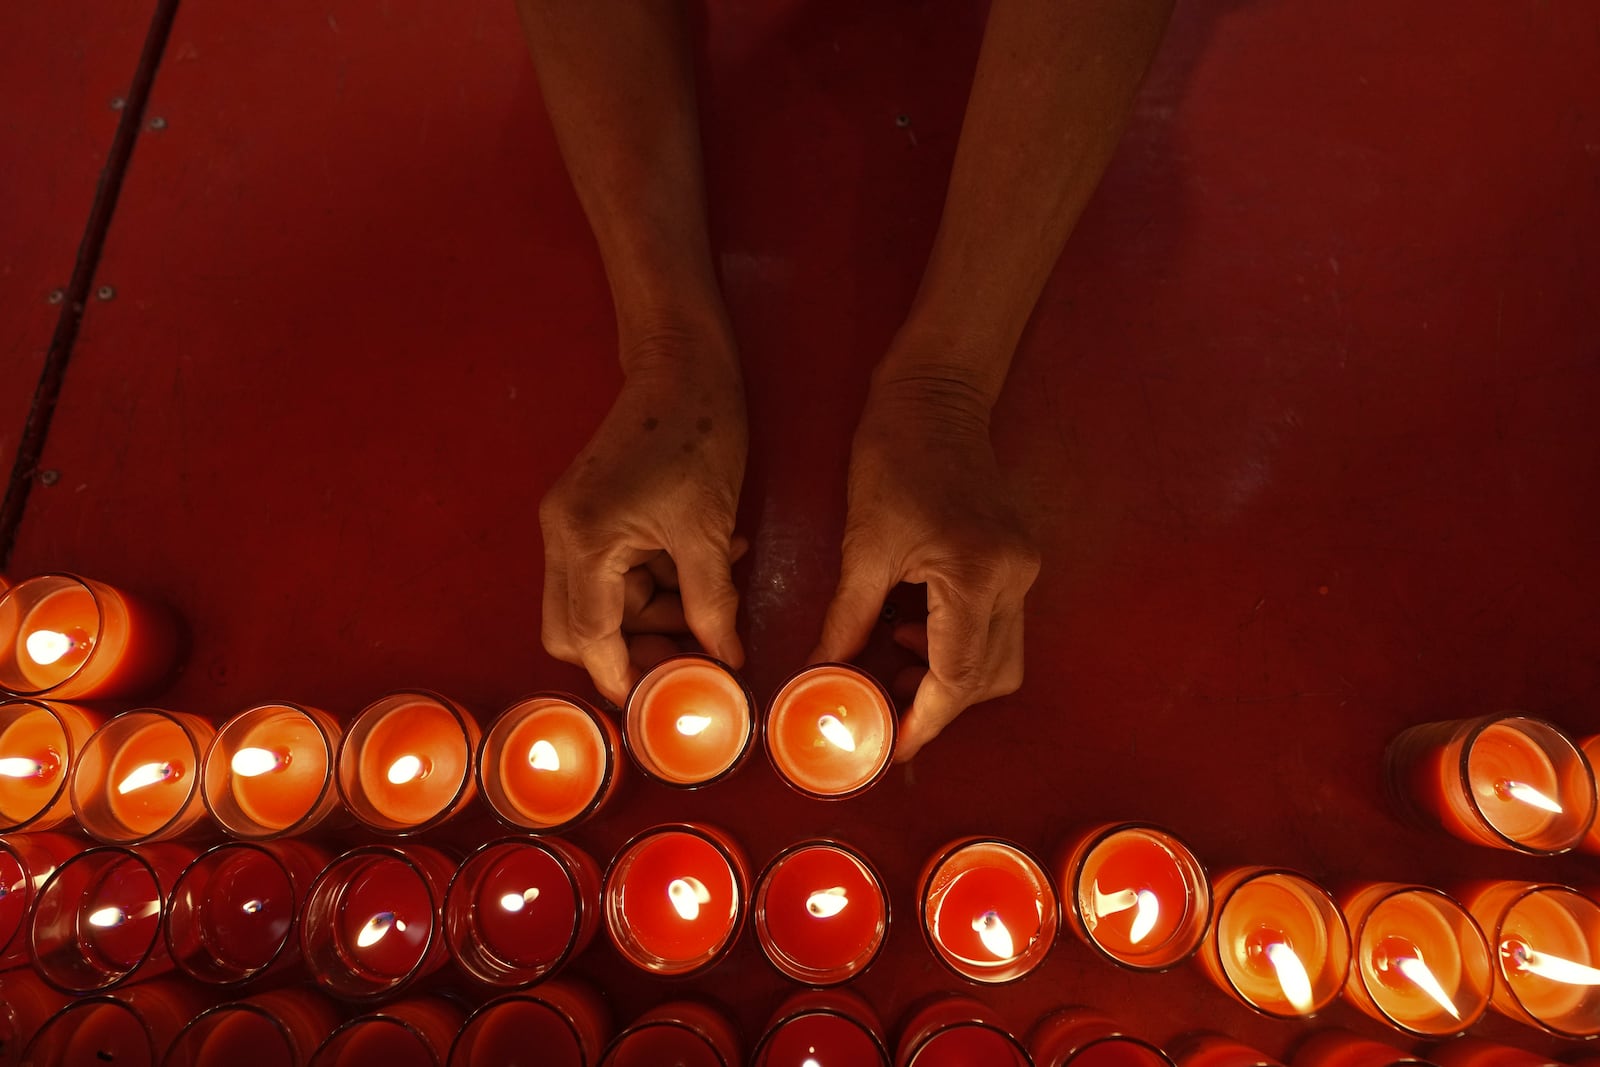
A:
26, 1004
39, 741
823, 1027
565, 1020
820, 912
519, 910
1341, 1048
416, 1032
1507, 781
96, 922
138, 777
683, 1033
1545, 940
135, 1027
373, 918
1088, 1038
987, 909
675, 897
406, 763
1278, 942
689, 721
1421, 963
283, 1028
1477, 1052
830, 731
1218, 1050
232, 914
1590, 746
26, 862
958, 1031
549, 762
269, 773
1136, 894
74, 638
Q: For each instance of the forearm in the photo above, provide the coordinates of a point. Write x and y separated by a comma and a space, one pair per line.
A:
618, 82
1055, 82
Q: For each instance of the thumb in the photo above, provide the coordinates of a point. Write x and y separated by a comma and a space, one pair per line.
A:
857, 605
710, 602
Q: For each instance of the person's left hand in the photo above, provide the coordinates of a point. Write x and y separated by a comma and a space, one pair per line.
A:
926, 506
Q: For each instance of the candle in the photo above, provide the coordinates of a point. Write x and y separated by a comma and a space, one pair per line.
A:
282, 1028
1137, 894
26, 1003
831, 731
681, 1033
1341, 1048
830, 1027
958, 1031
137, 778
133, 1028
1545, 940
75, 638
270, 771
1477, 1052
1086, 1038
409, 1033
820, 913
674, 897
405, 765
1217, 1050
1421, 963
688, 721
369, 927
1278, 942
564, 1020
1510, 782
38, 743
26, 862
988, 910
549, 762
1590, 746
518, 910
232, 913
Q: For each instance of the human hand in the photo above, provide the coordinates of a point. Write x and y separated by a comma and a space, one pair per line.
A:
638, 532
926, 506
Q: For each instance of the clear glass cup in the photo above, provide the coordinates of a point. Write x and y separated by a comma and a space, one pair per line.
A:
39, 742
682, 1032
1136, 894
26, 1004
26, 862
281, 1028
958, 1031
1545, 940
564, 1019
1278, 942
137, 779
1420, 963
405, 764
550, 762
74, 638
269, 772
830, 731
988, 910
820, 912
675, 898
133, 1027
415, 1032
823, 1026
1085, 1037
689, 721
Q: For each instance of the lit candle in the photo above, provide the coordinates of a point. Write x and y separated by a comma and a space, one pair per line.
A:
270, 771
958, 1031
549, 762
92, 1033
988, 909
1421, 963
674, 898
38, 743
818, 1028
566, 1021
232, 913
1137, 894
1217, 1050
1545, 940
688, 721
682, 1033
1278, 944
369, 925
410, 1033
1086, 1038
518, 910
26, 862
76, 638
282, 1028
1507, 781
820, 913
137, 778
1341, 1048
406, 763
830, 731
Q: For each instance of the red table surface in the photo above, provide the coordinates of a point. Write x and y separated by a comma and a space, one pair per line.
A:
1305, 422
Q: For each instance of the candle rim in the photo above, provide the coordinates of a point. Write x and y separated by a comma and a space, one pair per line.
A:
84, 1003
502, 727
62, 580
888, 756
1384, 892
785, 1018
95, 853
738, 869
523, 996
1516, 721
70, 756
1247, 875
638, 1026
644, 763
1194, 871
758, 911
348, 759
957, 1024
244, 827
1049, 925
379, 1016
182, 817
556, 850
291, 937
216, 1011
1529, 889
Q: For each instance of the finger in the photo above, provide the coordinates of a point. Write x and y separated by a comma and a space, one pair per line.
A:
595, 593
662, 615
646, 650
903, 687
958, 634
935, 707
913, 637
738, 547
710, 602
663, 569
554, 631
856, 607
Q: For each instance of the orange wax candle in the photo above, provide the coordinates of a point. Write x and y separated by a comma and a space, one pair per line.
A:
1421, 963
821, 914
74, 638
26, 1003
1218, 1050
988, 910
674, 898
1279, 942
26, 862
1477, 1052
1590, 746
823, 1027
92, 1033
137, 778
1087, 1038
1137, 894
830, 731
278, 1029
38, 743
233, 910
549, 762
270, 771
1507, 781
681, 1033
958, 1031
688, 721
1546, 944
409, 1033
1341, 1048
406, 763
567, 1022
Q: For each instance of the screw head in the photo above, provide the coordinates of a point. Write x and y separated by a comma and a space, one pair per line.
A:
105, 292
158, 123
902, 121
56, 296
49, 477
118, 103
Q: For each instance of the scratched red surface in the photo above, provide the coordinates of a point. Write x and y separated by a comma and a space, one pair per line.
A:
1306, 420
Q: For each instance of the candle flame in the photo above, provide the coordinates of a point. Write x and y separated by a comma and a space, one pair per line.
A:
106, 918
408, 769
1527, 794
252, 907
254, 762
377, 926
687, 894
48, 646
1555, 968
515, 902
146, 775
1414, 969
810, 1061
837, 732
693, 725
1144, 920
23, 767
543, 756
1292, 977
827, 903
994, 935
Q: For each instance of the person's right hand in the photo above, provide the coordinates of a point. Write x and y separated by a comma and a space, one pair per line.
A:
638, 533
